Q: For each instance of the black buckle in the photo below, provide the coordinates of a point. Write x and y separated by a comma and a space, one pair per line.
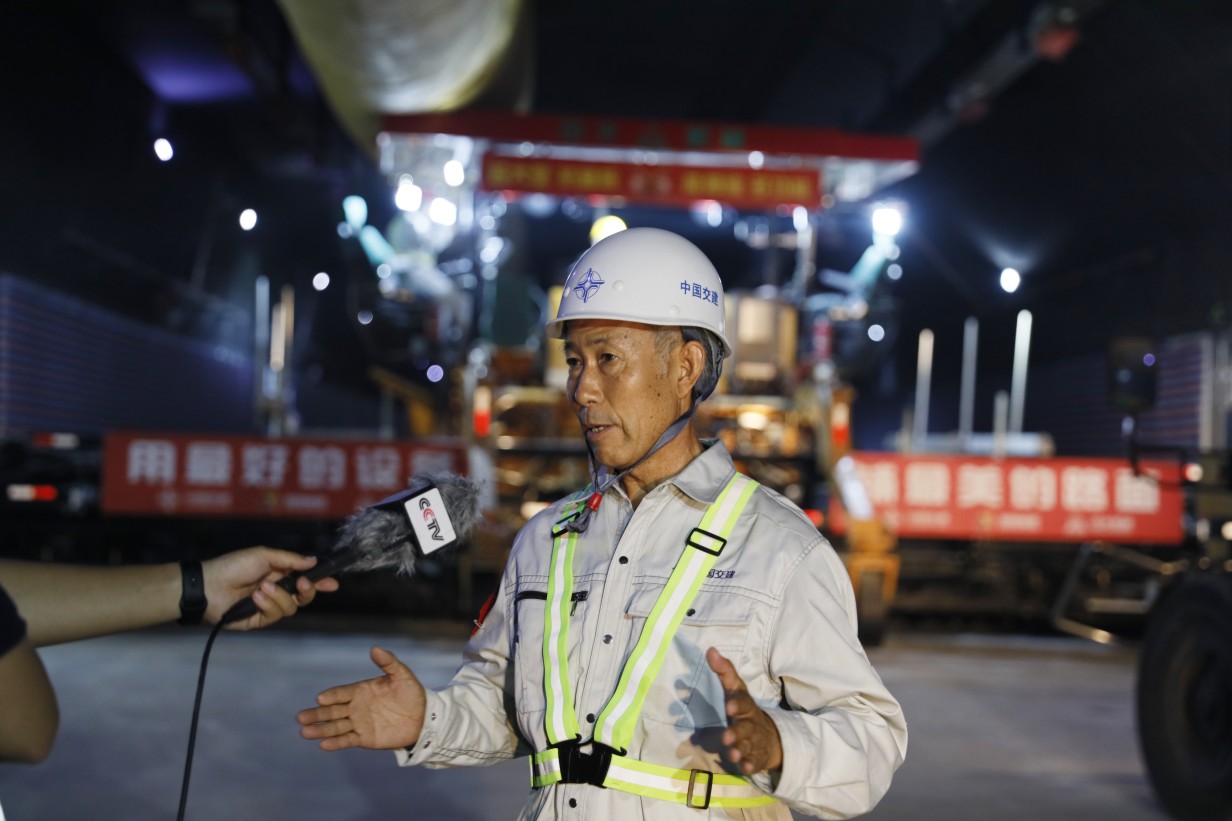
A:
562, 526
688, 801
577, 768
722, 542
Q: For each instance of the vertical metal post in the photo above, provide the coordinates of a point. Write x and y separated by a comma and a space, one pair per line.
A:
923, 381
1000, 412
260, 349
966, 401
1018, 385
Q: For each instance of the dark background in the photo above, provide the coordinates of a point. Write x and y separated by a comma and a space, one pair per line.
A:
1099, 169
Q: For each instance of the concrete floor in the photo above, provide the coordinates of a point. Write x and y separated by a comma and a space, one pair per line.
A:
1002, 728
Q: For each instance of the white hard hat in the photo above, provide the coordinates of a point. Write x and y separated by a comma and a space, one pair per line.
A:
645, 275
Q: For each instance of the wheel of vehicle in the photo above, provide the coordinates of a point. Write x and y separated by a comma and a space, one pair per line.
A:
871, 609
1184, 699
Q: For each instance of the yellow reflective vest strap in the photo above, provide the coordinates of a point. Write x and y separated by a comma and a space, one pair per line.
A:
560, 720
695, 788
614, 726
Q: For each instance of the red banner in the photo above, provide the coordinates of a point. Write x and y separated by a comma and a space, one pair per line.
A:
673, 135
203, 475
1050, 500
738, 186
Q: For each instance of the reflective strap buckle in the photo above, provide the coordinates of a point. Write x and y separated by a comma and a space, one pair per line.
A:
562, 526
688, 799
712, 537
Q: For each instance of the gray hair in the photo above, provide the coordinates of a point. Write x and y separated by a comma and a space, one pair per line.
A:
713, 367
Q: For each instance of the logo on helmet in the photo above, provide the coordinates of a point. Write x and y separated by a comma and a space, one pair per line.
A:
588, 285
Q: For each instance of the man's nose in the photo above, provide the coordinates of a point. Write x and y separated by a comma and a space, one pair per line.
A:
584, 390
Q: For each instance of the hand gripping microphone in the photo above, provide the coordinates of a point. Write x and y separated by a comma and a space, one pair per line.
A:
436, 510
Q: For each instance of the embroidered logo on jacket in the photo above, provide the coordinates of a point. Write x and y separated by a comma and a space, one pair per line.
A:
720, 574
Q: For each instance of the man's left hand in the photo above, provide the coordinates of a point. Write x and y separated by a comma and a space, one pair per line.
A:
751, 738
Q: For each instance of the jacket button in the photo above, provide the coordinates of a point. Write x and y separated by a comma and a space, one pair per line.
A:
690, 612
572, 802
590, 717
624, 559
607, 639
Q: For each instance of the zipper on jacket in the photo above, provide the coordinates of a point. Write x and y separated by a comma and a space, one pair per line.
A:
578, 595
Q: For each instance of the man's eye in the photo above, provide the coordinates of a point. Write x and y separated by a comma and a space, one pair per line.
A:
572, 361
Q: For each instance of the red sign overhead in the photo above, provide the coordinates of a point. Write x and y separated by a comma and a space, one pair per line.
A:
662, 184
1048, 500
673, 135
200, 475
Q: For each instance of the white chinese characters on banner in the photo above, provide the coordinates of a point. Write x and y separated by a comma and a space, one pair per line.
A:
1019, 498
183, 474
208, 463
151, 461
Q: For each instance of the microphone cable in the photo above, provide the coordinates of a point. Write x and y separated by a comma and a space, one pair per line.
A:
196, 715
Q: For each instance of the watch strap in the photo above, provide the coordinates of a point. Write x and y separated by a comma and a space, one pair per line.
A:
192, 600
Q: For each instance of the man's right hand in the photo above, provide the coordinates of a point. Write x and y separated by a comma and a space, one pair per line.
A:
384, 713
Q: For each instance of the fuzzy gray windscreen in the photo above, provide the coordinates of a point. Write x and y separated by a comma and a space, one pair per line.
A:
380, 537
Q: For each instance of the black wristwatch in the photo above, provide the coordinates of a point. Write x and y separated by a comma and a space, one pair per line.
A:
192, 600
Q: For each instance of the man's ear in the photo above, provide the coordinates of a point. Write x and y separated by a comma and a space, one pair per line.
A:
692, 366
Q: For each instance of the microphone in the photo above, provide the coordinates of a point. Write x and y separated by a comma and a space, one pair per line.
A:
436, 510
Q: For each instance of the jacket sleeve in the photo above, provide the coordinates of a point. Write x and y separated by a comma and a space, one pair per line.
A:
470, 721
843, 734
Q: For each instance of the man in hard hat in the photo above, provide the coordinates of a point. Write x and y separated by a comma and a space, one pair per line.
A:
675, 641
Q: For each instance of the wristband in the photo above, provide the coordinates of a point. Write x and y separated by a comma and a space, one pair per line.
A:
192, 600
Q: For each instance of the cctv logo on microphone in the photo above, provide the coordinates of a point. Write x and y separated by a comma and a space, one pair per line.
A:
430, 520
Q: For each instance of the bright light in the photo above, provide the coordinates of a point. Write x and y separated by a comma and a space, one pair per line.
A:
320, 281
248, 219
605, 226
887, 221
356, 210
1010, 280
491, 250
455, 173
442, 211
756, 159
1148, 359
1192, 472
409, 196
876, 333
364, 317
894, 271
436, 373
1226, 531
163, 149
384, 270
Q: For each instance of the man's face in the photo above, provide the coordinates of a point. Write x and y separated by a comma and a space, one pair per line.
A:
623, 383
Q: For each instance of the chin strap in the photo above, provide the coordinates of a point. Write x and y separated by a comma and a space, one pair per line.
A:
602, 479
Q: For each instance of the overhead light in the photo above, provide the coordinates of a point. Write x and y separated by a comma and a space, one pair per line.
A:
1010, 280
163, 149
756, 159
435, 373
248, 219
455, 174
605, 226
442, 211
876, 333
364, 317
408, 195
320, 281
887, 220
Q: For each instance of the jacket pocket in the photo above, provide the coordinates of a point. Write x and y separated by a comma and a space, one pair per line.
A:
528, 630
686, 692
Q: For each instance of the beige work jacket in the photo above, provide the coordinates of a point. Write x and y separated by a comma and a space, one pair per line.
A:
778, 603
